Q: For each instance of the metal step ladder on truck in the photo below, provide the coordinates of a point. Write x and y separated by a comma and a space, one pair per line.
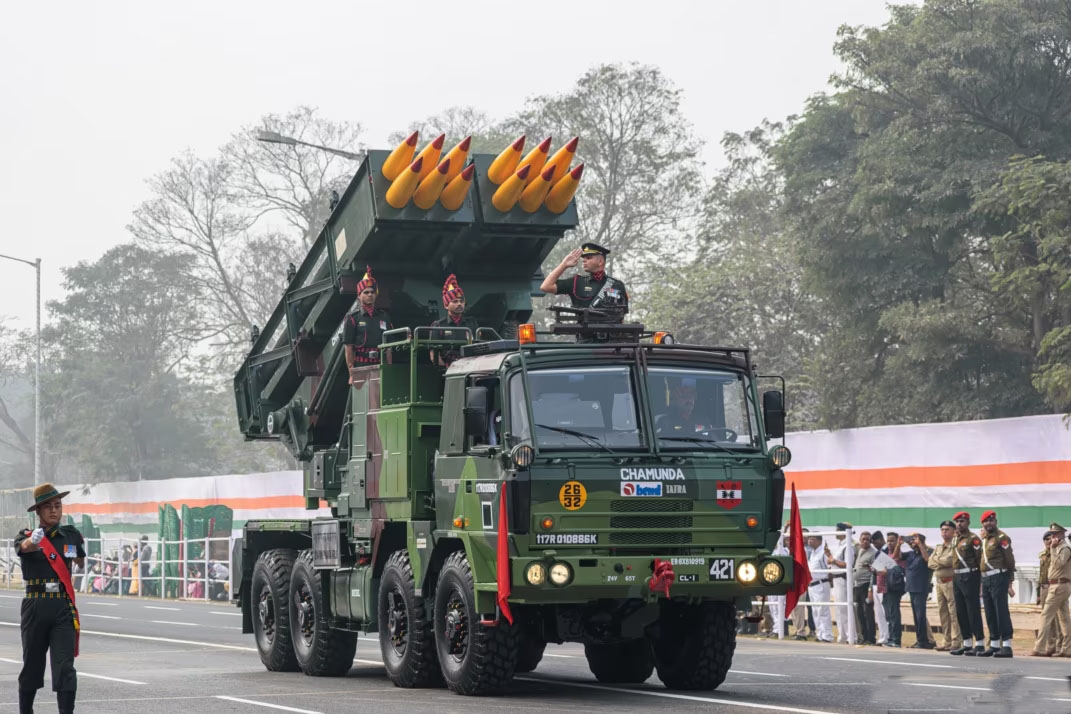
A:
599, 485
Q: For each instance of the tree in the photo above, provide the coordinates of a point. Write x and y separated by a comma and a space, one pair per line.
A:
16, 406
641, 185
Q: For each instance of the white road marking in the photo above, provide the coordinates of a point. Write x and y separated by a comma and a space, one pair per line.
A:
12, 597
232, 614
157, 607
548, 654
761, 674
170, 622
1048, 679
150, 638
265, 704
948, 686
888, 661
101, 604
103, 617
668, 695
84, 674
370, 661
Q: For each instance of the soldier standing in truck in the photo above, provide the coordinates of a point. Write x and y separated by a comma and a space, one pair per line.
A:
596, 289
454, 302
362, 330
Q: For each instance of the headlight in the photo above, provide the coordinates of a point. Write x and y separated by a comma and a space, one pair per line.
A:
772, 572
560, 574
522, 456
780, 456
746, 572
536, 574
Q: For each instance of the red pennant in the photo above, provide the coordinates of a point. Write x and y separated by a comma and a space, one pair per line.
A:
502, 557
801, 574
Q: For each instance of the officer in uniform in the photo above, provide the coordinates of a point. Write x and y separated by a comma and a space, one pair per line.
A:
968, 549
1055, 607
454, 302
49, 617
1063, 619
596, 289
943, 563
998, 568
362, 330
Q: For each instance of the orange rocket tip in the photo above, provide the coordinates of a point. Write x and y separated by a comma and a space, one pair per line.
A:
454, 194
561, 193
403, 187
400, 157
431, 186
505, 197
505, 164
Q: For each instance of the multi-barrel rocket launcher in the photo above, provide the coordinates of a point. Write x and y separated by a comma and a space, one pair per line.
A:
620, 493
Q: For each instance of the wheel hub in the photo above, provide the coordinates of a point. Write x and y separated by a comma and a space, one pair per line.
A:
457, 629
306, 613
397, 622
266, 614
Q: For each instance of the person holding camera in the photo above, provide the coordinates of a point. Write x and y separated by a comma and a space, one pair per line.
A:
919, 580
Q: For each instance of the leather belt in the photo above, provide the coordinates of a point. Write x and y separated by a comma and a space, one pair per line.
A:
1060, 581
949, 579
997, 571
961, 571
47, 587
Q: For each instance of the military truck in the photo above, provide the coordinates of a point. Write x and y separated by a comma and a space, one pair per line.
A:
600, 485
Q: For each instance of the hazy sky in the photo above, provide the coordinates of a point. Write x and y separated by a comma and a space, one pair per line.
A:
95, 97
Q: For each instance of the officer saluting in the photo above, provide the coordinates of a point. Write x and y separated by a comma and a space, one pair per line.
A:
596, 289
49, 616
998, 566
968, 547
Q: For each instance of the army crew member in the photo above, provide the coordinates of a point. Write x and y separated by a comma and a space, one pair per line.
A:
49, 616
362, 330
998, 567
1055, 605
968, 548
595, 289
454, 302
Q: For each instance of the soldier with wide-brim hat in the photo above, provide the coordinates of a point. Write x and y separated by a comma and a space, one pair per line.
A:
49, 616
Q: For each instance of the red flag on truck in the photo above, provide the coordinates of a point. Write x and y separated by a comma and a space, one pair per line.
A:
801, 574
502, 557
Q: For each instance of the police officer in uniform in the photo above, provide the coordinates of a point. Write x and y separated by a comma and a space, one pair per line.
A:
454, 302
968, 549
49, 617
943, 563
1046, 647
596, 289
1055, 606
998, 568
362, 330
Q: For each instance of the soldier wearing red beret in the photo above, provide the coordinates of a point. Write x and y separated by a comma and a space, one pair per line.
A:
968, 549
998, 568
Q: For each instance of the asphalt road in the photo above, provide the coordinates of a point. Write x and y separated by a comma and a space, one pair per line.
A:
162, 656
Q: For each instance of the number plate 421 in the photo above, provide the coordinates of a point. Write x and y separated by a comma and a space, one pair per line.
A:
721, 568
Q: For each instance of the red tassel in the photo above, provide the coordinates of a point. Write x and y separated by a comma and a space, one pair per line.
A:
502, 559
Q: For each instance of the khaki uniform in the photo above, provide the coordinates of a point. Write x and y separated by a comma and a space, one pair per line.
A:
1049, 645
1055, 611
942, 563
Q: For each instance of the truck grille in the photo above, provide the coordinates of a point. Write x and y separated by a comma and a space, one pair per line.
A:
663, 538
669, 522
652, 505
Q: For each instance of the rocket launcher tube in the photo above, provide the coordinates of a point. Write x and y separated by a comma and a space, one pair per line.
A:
454, 194
457, 156
563, 158
505, 163
562, 192
400, 157
431, 154
534, 193
427, 193
536, 158
507, 194
402, 188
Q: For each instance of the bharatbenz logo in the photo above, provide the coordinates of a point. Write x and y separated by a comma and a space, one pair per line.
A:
641, 489
655, 474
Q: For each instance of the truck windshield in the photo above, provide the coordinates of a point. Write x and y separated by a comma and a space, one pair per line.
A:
692, 407
587, 408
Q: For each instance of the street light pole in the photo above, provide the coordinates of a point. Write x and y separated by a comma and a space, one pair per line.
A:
36, 264
274, 137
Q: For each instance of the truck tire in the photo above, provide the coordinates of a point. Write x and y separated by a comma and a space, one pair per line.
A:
696, 644
320, 650
269, 593
475, 659
405, 634
630, 662
530, 653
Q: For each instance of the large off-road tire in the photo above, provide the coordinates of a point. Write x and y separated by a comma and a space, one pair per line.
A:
696, 644
475, 659
629, 662
320, 651
530, 653
269, 593
405, 634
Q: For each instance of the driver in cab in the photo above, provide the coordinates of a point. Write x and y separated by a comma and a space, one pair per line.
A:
681, 419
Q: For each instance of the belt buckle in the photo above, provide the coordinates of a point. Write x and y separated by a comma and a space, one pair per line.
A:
52, 587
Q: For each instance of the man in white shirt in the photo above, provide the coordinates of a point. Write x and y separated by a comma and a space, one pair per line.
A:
819, 590
878, 541
839, 559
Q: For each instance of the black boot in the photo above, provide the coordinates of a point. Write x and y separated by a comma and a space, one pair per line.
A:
1004, 652
989, 652
26, 700
959, 650
65, 701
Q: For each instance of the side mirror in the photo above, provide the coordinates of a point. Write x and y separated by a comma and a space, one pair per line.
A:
475, 411
773, 414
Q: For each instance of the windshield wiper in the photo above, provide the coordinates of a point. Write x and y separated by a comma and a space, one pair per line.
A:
583, 436
697, 440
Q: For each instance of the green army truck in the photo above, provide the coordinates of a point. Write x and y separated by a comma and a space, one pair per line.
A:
602, 485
